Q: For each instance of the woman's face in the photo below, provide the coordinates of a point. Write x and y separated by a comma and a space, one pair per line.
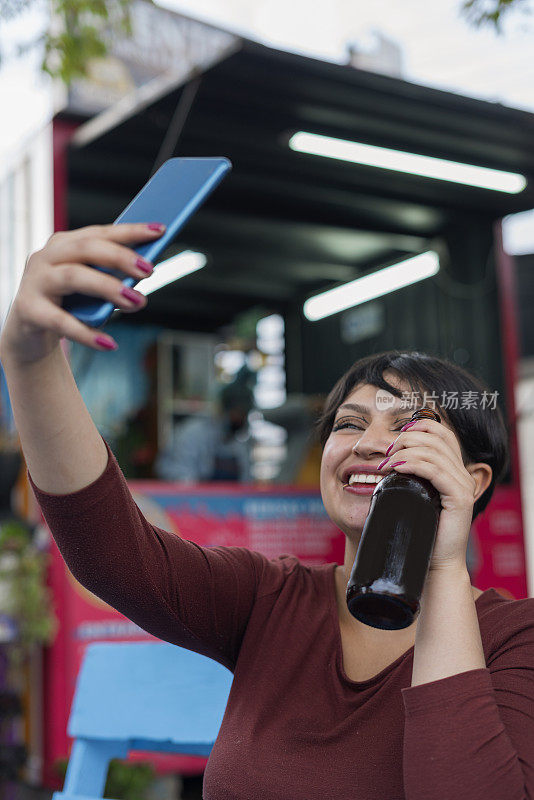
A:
366, 423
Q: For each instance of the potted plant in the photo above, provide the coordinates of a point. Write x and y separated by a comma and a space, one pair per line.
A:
25, 599
125, 780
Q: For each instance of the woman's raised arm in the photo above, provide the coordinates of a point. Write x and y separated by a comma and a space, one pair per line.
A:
63, 449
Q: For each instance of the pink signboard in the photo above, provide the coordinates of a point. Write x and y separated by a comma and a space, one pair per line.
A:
498, 541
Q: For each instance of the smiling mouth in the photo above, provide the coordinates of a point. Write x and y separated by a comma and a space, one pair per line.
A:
363, 480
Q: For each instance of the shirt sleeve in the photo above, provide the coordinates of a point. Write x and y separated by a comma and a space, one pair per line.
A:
471, 735
196, 597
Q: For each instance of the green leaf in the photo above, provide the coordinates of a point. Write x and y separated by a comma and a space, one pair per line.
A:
28, 598
88, 25
125, 780
491, 13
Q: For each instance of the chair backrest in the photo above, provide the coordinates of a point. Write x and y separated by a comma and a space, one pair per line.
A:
152, 695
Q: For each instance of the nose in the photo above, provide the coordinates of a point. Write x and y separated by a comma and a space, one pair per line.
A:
374, 441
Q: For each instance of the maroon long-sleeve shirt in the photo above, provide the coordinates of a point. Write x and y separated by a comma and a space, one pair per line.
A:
295, 727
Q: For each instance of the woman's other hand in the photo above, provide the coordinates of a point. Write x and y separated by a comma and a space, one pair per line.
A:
431, 450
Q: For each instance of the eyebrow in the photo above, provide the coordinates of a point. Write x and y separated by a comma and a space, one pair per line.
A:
397, 411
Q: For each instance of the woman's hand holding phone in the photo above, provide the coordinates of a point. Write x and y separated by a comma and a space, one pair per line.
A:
36, 320
71, 287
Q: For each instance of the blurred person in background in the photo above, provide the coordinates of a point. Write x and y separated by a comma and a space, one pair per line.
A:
216, 448
302, 463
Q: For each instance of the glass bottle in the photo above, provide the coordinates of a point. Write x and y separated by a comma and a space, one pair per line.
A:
395, 549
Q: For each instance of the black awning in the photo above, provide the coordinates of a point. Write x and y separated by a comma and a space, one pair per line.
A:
284, 225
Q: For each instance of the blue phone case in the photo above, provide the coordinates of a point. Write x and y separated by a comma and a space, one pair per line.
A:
171, 196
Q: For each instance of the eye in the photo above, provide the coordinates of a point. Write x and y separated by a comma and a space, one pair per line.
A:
350, 423
340, 425
346, 424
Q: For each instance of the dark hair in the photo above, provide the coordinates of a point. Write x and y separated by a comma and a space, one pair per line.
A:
237, 397
482, 431
239, 393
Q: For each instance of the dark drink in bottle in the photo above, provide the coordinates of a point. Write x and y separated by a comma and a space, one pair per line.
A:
395, 549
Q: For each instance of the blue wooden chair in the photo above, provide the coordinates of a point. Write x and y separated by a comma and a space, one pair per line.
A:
140, 696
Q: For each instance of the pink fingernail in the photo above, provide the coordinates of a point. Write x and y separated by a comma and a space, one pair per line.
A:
155, 226
389, 448
397, 464
107, 342
382, 463
143, 265
409, 424
132, 296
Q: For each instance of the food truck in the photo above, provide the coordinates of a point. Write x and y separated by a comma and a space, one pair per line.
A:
293, 220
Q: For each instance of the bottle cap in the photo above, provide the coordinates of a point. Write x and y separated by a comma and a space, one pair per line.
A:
426, 413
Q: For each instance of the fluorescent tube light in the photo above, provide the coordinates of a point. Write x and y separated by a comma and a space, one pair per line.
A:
413, 164
170, 270
370, 286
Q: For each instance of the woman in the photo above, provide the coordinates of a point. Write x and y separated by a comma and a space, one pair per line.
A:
321, 706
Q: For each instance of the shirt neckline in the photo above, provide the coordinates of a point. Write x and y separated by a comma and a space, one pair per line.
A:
337, 635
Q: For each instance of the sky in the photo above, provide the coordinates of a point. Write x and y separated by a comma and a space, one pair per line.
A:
439, 48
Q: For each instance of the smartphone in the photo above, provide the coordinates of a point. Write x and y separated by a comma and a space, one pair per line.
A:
171, 196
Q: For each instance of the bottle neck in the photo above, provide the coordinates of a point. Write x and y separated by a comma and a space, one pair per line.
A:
396, 481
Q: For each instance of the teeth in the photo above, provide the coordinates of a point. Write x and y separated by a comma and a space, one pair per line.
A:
362, 478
